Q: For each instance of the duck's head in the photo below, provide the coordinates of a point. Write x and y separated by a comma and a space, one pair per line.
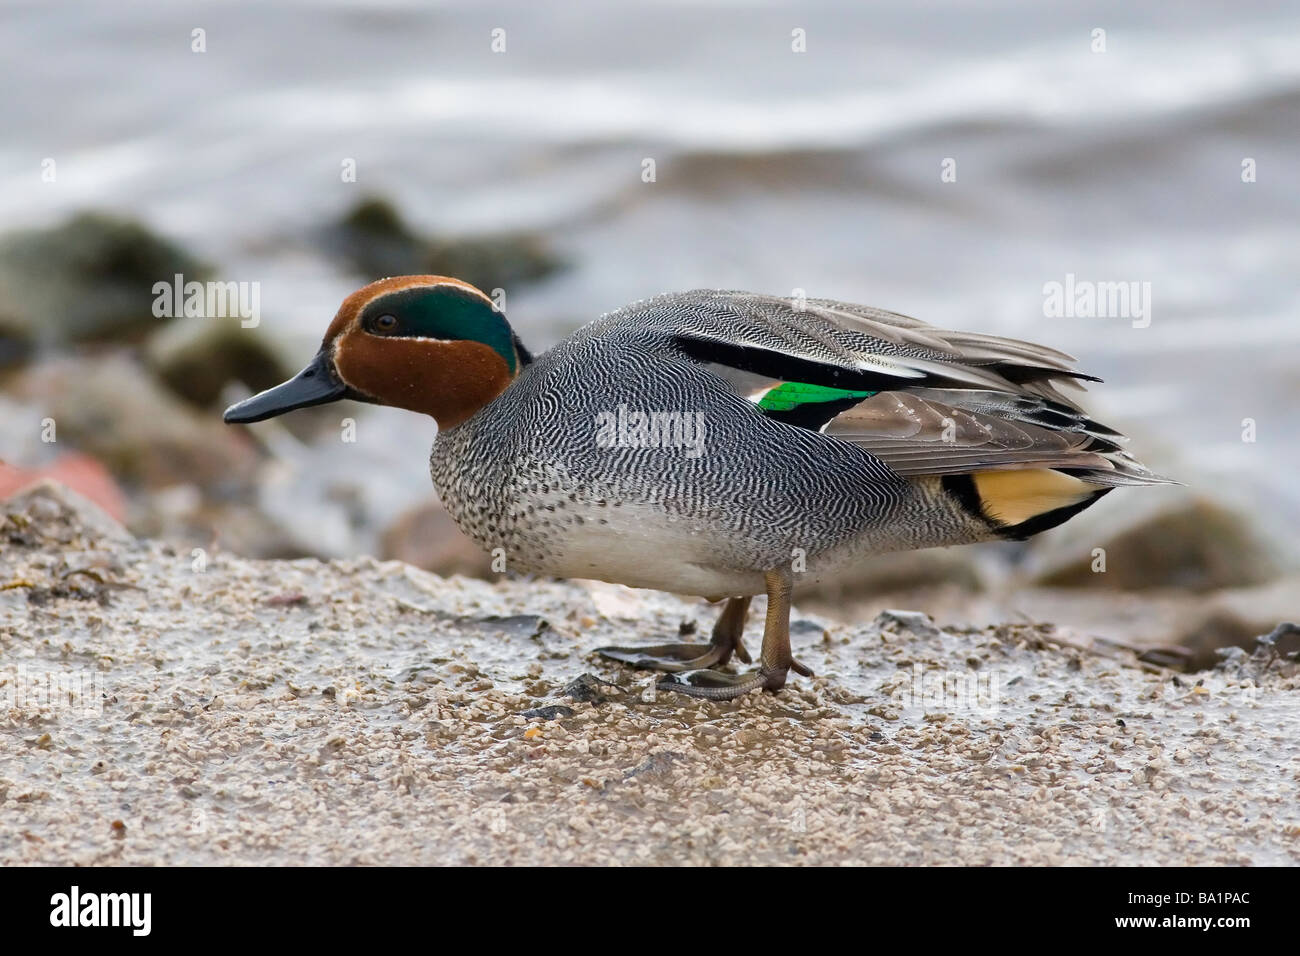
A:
430, 344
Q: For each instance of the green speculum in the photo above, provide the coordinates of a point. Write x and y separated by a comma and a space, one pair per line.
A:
790, 395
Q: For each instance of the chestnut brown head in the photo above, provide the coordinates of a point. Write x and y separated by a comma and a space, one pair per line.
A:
431, 344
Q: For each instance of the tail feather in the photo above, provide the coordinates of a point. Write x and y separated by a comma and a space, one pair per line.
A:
1018, 504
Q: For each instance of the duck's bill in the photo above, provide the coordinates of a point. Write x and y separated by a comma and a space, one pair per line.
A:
314, 385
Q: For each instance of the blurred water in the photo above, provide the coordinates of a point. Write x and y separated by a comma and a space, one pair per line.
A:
775, 170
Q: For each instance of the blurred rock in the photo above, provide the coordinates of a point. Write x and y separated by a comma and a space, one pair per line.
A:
1202, 638
185, 475
377, 242
110, 408
81, 473
188, 521
89, 279
1233, 618
48, 513
1274, 653
1175, 540
17, 343
904, 571
197, 359
491, 262
917, 622
427, 537
1237, 617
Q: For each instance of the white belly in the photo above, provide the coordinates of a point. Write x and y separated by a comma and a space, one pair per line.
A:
646, 549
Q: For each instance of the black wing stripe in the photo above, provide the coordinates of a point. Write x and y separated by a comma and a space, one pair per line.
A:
790, 368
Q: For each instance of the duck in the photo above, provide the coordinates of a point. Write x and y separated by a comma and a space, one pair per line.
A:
721, 444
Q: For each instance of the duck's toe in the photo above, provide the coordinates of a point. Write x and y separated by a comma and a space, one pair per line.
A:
669, 657
717, 685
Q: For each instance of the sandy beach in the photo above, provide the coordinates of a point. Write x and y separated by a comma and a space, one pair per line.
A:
362, 712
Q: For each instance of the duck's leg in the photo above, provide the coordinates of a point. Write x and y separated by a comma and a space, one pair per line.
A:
775, 659
726, 640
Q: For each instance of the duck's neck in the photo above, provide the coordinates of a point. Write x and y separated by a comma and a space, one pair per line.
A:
470, 386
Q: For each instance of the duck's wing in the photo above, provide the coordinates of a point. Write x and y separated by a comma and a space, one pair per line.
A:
925, 401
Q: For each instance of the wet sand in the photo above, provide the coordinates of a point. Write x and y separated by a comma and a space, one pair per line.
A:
364, 712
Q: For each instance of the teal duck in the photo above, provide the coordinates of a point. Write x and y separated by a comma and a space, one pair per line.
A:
720, 444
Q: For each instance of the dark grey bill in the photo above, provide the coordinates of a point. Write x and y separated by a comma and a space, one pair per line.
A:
314, 385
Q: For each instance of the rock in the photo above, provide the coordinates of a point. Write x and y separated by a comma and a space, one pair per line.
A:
549, 712
1283, 639
426, 537
111, 409
48, 514
1278, 651
80, 473
1171, 627
1236, 618
376, 241
902, 571
658, 766
508, 625
89, 279
198, 358
917, 622
945, 581
1213, 631
186, 476
490, 262
1183, 541
588, 688
17, 342
183, 517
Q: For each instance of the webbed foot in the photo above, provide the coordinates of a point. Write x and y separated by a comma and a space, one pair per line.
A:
726, 640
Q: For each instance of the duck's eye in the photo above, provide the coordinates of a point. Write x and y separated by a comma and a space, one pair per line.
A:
386, 323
